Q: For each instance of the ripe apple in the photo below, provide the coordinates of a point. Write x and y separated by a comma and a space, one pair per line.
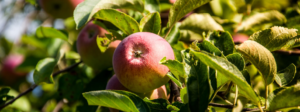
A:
136, 61
114, 84
59, 8
88, 49
8, 73
157, 93
239, 38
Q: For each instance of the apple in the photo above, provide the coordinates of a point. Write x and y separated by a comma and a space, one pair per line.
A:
136, 61
114, 84
239, 38
172, 1
59, 8
8, 73
88, 49
157, 93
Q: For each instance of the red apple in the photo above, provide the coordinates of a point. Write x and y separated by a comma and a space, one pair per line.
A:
157, 93
88, 49
8, 73
59, 8
172, 1
136, 61
114, 84
239, 38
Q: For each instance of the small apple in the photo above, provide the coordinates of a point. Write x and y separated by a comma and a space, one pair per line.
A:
8, 73
88, 49
157, 93
239, 38
136, 61
59, 8
114, 84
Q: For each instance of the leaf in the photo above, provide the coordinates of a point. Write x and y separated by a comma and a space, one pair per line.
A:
260, 18
151, 23
65, 90
198, 86
237, 60
176, 81
114, 99
282, 98
261, 58
5, 46
223, 41
286, 75
29, 63
274, 38
175, 67
102, 43
43, 70
209, 47
124, 22
86, 9
174, 34
184, 95
230, 71
295, 42
158, 105
49, 32
200, 23
181, 7
152, 6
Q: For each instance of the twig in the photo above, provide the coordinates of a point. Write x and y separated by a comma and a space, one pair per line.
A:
34, 85
59, 106
175, 93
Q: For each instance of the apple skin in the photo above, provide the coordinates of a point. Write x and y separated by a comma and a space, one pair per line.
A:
136, 61
239, 38
157, 93
88, 49
59, 8
8, 73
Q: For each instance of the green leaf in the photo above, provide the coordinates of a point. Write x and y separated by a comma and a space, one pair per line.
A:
71, 93
261, 18
198, 86
261, 58
200, 23
43, 70
285, 76
175, 67
181, 7
49, 32
174, 34
184, 95
86, 10
158, 105
5, 46
152, 6
183, 107
223, 41
230, 71
237, 60
295, 42
4, 90
151, 23
176, 81
282, 98
124, 22
274, 38
115, 99
209, 47
102, 43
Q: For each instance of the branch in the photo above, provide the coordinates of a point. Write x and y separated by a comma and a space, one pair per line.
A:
174, 94
35, 85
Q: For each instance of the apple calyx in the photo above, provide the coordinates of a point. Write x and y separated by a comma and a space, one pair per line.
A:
137, 53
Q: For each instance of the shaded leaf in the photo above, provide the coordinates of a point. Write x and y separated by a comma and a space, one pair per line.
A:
43, 70
286, 75
49, 32
260, 18
174, 34
209, 47
158, 105
151, 23
261, 58
111, 99
237, 60
282, 98
70, 86
181, 7
124, 22
223, 41
86, 9
200, 23
5, 46
198, 86
230, 71
274, 38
